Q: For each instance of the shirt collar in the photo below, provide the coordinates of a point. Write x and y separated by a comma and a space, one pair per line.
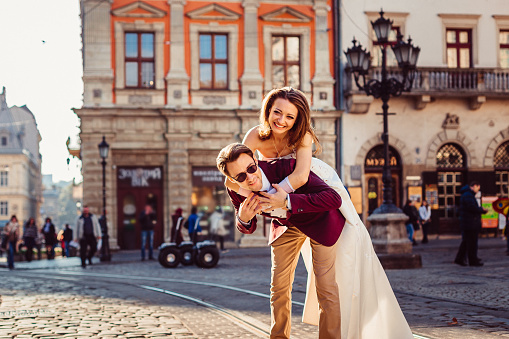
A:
266, 186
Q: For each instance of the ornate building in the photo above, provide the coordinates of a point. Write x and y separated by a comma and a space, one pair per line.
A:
20, 164
453, 127
169, 83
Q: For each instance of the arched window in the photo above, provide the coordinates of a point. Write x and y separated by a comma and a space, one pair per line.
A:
450, 156
451, 162
375, 158
501, 164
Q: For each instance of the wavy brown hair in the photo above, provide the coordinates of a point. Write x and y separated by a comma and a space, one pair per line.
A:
302, 122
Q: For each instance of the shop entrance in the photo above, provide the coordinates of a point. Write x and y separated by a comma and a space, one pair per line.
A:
373, 167
137, 187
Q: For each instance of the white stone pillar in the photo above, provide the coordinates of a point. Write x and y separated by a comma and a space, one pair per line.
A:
177, 79
323, 82
97, 71
251, 80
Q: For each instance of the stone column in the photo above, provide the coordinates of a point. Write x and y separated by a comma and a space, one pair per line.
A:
322, 81
251, 79
177, 79
97, 71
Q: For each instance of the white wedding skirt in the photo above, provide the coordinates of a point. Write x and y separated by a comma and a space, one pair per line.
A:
369, 308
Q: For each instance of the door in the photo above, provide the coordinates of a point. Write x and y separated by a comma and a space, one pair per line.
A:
374, 190
137, 187
449, 185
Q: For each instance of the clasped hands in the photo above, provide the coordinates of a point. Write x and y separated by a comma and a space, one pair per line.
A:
255, 204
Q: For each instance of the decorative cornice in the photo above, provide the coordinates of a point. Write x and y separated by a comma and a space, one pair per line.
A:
203, 13
292, 15
149, 11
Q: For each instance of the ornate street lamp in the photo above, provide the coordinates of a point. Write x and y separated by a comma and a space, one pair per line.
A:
105, 249
359, 61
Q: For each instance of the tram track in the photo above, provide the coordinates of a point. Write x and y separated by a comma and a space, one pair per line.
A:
250, 324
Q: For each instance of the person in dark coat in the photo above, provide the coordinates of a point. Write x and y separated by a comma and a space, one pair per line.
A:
176, 228
50, 238
147, 222
470, 224
67, 239
413, 218
29, 235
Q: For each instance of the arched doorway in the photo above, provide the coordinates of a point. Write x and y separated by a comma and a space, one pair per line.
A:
373, 170
501, 164
451, 168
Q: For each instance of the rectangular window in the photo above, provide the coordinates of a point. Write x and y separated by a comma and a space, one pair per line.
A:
285, 61
504, 48
376, 60
139, 60
459, 48
4, 208
213, 61
4, 141
4, 178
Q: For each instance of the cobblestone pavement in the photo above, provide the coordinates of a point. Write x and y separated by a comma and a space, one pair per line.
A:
444, 300
440, 300
45, 308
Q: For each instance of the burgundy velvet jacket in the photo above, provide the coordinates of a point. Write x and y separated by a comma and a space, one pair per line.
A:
314, 206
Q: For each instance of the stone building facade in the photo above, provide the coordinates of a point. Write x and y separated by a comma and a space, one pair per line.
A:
169, 83
20, 164
453, 127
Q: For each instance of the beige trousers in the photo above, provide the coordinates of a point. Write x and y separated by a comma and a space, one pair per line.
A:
285, 255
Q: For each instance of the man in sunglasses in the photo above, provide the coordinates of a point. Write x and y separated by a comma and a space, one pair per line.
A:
312, 212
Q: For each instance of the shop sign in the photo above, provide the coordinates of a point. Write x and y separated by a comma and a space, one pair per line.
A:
490, 219
207, 176
139, 176
379, 162
432, 196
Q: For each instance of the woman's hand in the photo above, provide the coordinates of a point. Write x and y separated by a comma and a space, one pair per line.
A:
270, 202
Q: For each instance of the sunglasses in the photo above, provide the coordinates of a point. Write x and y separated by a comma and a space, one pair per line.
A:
241, 177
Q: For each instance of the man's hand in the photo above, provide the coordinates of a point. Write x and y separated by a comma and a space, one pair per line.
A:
270, 202
249, 208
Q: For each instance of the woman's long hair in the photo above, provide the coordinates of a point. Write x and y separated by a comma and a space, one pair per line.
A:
302, 123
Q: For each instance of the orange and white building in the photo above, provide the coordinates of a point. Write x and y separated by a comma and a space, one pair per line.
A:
171, 82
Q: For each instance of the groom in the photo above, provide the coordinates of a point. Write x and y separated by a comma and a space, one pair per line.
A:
312, 211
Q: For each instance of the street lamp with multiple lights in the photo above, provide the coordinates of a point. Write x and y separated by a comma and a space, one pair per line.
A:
105, 252
359, 61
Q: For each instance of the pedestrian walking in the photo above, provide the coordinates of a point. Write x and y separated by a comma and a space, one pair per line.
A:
425, 219
470, 224
193, 226
217, 229
88, 231
11, 236
50, 238
67, 239
30, 233
413, 219
176, 227
147, 222
38, 244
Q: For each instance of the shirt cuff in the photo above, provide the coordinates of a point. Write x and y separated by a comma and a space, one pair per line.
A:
289, 203
245, 224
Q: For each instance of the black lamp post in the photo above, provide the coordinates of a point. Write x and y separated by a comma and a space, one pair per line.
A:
105, 249
359, 62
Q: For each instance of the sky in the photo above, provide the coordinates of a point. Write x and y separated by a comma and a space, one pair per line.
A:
41, 67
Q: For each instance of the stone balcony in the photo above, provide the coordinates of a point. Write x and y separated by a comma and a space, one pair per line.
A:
473, 84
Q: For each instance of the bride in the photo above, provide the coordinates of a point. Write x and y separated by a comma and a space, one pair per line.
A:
369, 308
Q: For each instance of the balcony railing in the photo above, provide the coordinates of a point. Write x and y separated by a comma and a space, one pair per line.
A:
448, 81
